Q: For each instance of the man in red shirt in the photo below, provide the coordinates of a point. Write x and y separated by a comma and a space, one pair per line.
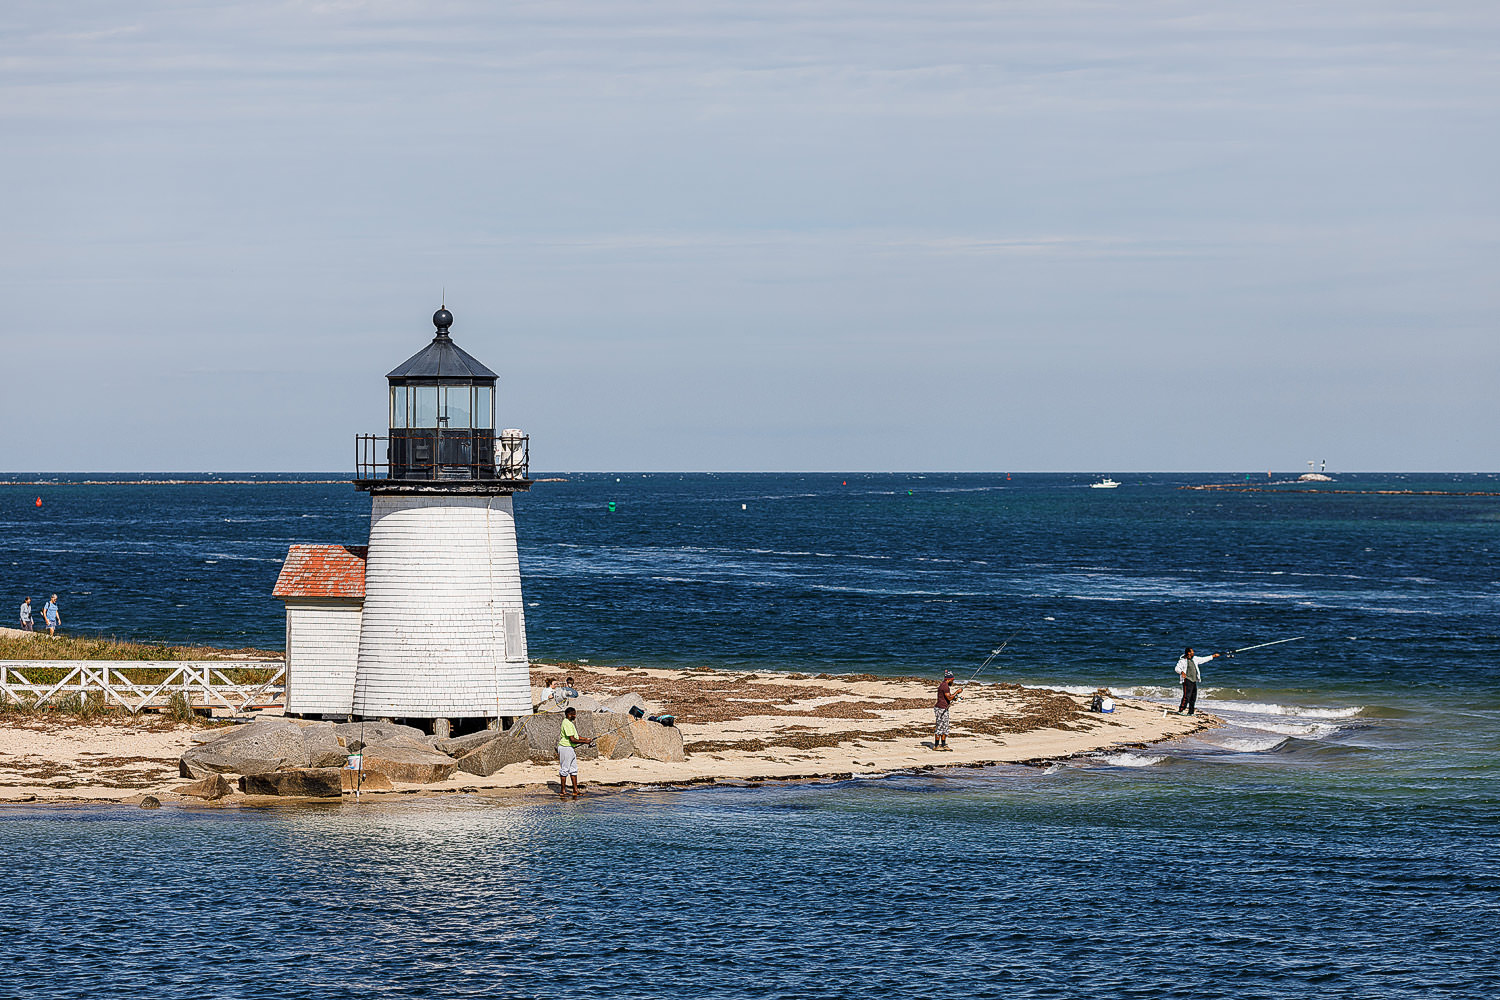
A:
947, 694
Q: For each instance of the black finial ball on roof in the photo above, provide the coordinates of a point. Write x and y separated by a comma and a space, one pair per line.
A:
442, 319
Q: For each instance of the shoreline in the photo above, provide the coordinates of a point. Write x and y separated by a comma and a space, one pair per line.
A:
740, 729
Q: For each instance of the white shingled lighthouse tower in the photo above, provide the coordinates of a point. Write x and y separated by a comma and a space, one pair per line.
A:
442, 635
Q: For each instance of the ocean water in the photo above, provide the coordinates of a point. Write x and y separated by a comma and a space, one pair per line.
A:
1335, 839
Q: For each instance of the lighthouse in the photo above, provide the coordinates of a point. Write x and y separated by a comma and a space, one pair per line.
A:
443, 632
426, 625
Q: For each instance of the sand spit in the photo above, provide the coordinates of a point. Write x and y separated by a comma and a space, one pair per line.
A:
739, 728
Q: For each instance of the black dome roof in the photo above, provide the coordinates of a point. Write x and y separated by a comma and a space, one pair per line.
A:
443, 359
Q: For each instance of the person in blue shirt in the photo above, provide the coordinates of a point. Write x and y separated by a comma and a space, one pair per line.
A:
51, 615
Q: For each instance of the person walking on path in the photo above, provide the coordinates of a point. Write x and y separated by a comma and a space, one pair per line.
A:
1187, 669
26, 616
946, 696
568, 742
52, 616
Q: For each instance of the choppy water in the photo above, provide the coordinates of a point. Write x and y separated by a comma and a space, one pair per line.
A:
1335, 840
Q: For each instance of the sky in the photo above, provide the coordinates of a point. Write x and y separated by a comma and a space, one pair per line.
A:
1037, 235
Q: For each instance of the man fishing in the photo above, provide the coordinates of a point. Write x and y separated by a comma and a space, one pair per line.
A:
568, 742
1187, 669
946, 695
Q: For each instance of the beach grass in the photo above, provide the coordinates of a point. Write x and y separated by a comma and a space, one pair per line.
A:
40, 646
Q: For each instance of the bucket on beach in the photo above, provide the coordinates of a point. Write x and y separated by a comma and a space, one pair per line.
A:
1106, 705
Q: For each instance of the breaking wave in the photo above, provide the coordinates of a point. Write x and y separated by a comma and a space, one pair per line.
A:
1128, 759
1271, 708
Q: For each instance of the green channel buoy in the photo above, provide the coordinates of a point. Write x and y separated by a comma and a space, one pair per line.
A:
611, 506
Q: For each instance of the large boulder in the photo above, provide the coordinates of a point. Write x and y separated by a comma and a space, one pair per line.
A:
604, 723
373, 733
623, 703
215, 786
323, 746
459, 745
373, 781
654, 741
265, 745
303, 782
409, 761
584, 703
616, 745
401, 741
484, 759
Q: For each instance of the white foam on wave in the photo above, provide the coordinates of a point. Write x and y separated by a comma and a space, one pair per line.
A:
1272, 708
1253, 744
1065, 688
1149, 691
1312, 730
1128, 759
1123, 691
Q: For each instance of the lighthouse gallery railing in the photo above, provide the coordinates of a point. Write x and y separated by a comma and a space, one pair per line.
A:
422, 455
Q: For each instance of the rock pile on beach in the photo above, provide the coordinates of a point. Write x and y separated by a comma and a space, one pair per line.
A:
280, 756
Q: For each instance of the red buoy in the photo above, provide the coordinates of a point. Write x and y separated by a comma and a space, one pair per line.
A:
38, 501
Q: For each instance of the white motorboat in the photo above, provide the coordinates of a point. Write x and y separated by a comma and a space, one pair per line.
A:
1104, 484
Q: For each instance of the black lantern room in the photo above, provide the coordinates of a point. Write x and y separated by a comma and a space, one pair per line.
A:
442, 424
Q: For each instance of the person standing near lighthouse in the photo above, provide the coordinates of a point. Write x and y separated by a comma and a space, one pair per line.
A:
568, 742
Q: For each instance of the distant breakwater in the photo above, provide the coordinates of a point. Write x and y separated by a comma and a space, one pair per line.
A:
172, 482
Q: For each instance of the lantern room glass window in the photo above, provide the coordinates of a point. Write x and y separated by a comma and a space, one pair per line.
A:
484, 407
424, 405
457, 401
398, 406
454, 407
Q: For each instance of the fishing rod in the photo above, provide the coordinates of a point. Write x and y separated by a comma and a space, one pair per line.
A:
993, 654
1246, 649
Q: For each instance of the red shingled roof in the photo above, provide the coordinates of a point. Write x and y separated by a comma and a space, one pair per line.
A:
323, 571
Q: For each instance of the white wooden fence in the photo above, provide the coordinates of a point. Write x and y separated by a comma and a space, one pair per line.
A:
205, 683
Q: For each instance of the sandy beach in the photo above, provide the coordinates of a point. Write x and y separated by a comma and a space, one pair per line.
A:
738, 728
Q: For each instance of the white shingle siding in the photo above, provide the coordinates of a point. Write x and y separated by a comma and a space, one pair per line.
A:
441, 575
322, 644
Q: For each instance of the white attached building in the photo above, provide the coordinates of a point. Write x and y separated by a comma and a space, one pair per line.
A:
440, 630
324, 590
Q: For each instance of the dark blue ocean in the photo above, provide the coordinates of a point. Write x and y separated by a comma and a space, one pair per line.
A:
1336, 839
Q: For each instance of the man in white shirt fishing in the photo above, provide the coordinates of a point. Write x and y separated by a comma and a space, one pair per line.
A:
1187, 669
